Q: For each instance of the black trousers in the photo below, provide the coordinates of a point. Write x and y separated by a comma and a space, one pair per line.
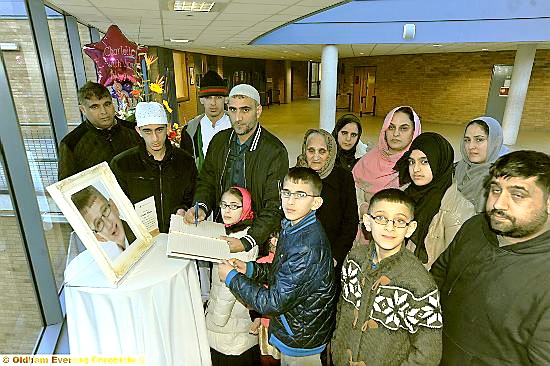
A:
250, 357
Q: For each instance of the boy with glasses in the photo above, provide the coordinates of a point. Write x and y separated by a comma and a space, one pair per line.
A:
103, 218
389, 312
300, 296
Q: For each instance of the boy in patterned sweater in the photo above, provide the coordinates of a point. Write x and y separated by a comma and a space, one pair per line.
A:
389, 312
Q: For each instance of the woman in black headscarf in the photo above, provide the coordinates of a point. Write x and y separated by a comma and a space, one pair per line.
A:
440, 210
347, 134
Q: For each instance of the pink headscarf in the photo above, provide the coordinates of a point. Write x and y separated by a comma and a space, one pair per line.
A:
374, 171
247, 213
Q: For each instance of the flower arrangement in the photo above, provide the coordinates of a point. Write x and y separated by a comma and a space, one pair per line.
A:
129, 94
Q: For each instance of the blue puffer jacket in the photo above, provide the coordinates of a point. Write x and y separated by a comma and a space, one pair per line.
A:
300, 299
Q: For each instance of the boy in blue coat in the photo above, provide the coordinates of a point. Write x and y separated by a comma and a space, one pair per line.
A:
300, 297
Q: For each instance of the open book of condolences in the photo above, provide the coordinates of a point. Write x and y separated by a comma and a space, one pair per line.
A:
196, 242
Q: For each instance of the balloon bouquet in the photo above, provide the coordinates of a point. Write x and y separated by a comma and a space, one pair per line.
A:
119, 68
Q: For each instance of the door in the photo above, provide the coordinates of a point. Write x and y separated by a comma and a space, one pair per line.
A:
364, 85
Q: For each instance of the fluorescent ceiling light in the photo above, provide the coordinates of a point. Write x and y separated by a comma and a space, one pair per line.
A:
198, 6
9, 47
179, 40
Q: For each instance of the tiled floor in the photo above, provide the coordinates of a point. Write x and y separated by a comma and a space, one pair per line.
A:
289, 122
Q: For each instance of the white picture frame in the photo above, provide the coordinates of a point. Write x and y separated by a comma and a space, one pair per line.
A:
102, 178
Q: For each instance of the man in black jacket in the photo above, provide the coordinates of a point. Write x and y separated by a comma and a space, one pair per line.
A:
155, 167
99, 138
249, 156
493, 277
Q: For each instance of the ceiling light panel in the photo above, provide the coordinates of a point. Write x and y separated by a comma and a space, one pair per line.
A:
194, 6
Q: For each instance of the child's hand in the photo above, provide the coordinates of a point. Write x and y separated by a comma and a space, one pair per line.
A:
254, 326
223, 269
240, 266
235, 245
227, 265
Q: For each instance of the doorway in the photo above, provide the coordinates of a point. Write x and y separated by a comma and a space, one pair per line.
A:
364, 90
314, 79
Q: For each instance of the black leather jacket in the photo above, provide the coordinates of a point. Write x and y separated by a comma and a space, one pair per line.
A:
266, 163
86, 146
171, 181
301, 293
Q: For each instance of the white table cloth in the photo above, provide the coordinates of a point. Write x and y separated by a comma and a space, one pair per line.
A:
156, 310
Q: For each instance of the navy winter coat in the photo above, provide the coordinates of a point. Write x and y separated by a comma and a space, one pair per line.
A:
301, 293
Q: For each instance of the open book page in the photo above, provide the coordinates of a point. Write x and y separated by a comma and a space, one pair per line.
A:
197, 242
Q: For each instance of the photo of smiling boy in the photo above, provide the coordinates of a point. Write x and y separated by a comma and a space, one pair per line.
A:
103, 218
389, 311
300, 296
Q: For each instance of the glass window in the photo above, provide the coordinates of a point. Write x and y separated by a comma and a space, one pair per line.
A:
28, 94
64, 65
89, 66
20, 317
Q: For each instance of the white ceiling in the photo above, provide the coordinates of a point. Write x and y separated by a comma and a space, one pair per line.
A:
231, 25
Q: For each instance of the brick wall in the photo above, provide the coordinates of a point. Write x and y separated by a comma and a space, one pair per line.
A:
449, 87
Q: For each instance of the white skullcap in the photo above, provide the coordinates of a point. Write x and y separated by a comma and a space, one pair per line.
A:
246, 90
150, 113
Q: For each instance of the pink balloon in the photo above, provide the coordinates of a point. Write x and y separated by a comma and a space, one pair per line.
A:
116, 58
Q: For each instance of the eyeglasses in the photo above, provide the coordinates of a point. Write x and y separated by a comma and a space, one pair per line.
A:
100, 225
383, 220
231, 206
285, 193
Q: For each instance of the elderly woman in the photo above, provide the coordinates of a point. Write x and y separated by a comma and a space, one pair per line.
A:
374, 171
347, 133
338, 214
440, 210
481, 146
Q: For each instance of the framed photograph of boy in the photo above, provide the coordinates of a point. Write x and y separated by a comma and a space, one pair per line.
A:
103, 218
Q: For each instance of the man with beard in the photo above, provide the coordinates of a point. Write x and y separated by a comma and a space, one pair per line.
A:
248, 156
493, 277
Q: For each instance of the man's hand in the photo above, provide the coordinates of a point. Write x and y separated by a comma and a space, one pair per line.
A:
227, 265
235, 245
189, 216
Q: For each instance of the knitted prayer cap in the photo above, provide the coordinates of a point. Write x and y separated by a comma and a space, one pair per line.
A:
150, 113
247, 91
212, 84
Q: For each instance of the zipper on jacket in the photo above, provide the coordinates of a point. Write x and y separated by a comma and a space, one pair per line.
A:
244, 168
225, 164
286, 325
161, 196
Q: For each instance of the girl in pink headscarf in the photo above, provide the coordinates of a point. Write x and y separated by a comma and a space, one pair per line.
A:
228, 320
374, 171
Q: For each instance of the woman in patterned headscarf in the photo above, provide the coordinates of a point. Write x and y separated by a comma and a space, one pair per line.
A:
338, 214
481, 147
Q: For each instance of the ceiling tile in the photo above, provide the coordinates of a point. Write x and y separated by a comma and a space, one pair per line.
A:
253, 8
134, 4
